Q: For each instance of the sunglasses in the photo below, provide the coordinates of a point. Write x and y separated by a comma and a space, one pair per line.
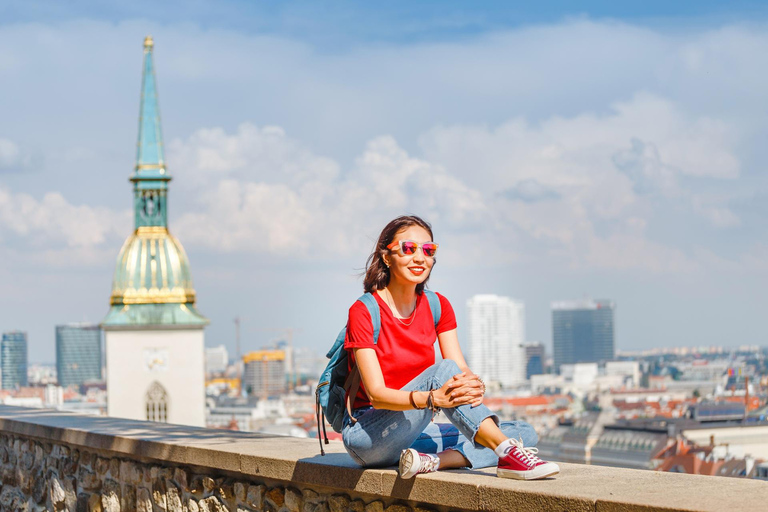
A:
408, 247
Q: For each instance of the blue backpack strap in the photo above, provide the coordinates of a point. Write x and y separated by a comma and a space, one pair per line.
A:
373, 308
434, 305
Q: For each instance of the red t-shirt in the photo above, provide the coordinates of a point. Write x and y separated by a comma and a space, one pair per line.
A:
403, 351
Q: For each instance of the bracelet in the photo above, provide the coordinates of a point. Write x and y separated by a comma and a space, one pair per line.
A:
431, 402
413, 402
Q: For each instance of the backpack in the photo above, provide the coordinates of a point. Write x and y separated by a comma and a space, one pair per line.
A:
338, 386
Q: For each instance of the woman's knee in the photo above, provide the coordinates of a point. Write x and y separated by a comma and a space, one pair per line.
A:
446, 369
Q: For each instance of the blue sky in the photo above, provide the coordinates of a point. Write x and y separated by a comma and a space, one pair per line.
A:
614, 150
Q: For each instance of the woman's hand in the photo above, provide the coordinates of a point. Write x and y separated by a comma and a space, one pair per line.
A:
461, 389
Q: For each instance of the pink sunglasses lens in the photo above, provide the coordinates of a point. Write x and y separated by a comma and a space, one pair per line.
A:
409, 247
429, 249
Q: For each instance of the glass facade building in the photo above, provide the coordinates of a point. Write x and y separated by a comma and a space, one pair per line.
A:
13, 359
583, 331
534, 359
78, 354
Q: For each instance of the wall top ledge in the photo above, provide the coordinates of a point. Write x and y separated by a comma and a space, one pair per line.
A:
577, 488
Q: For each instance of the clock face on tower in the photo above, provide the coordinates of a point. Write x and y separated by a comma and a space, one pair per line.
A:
156, 359
150, 206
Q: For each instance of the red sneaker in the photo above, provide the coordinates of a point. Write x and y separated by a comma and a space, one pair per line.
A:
523, 464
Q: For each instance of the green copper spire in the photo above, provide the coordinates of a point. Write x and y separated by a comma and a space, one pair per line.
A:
153, 282
150, 178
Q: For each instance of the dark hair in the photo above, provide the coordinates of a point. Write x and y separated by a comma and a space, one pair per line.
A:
376, 271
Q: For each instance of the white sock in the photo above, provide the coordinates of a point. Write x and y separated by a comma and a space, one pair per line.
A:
436, 459
503, 448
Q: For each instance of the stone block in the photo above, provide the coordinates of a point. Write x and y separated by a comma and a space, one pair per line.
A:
211, 504
356, 506
128, 498
110, 496
94, 503
338, 503
8, 476
68, 466
208, 484
89, 480
70, 491
398, 508
275, 496
27, 460
374, 506
310, 496
158, 493
225, 490
40, 488
83, 500
143, 500
114, 468
180, 477
9, 496
110, 502
24, 480
239, 490
192, 506
293, 500
129, 472
56, 493
173, 499
101, 466
255, 496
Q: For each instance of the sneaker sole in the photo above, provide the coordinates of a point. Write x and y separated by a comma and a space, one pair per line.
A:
407, 459
527, 475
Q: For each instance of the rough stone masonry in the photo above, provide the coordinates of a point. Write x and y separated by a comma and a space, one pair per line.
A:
42, 476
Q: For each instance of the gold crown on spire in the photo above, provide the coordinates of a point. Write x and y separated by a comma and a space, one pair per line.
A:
148, 42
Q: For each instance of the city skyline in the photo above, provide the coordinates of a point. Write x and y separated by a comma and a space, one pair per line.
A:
644, 185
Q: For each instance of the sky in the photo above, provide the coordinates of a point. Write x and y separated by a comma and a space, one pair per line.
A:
611, 150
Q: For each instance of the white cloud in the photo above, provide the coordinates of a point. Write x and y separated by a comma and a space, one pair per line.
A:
52, 223
583, 189
261, 191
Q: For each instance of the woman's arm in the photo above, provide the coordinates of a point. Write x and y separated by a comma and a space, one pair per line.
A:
450, 349
383, 397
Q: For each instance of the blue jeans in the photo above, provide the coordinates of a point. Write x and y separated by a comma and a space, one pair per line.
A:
379, 435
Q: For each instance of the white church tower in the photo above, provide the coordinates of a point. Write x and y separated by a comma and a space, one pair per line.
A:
154, 334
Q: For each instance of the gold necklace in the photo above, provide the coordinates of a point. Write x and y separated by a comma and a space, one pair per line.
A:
392, 307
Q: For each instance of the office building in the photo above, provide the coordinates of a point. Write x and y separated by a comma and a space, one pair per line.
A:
78, 354
216, 359
154, 334
264, 374
534, 359
583, 331
496, 336
13, 359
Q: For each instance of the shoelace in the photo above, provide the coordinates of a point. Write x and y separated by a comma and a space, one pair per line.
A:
427, 463
527, 454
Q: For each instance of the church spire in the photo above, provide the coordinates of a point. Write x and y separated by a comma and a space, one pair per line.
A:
150, 151
150, 178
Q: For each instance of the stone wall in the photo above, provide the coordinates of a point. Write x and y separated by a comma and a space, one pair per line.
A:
38, 476
53, 460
